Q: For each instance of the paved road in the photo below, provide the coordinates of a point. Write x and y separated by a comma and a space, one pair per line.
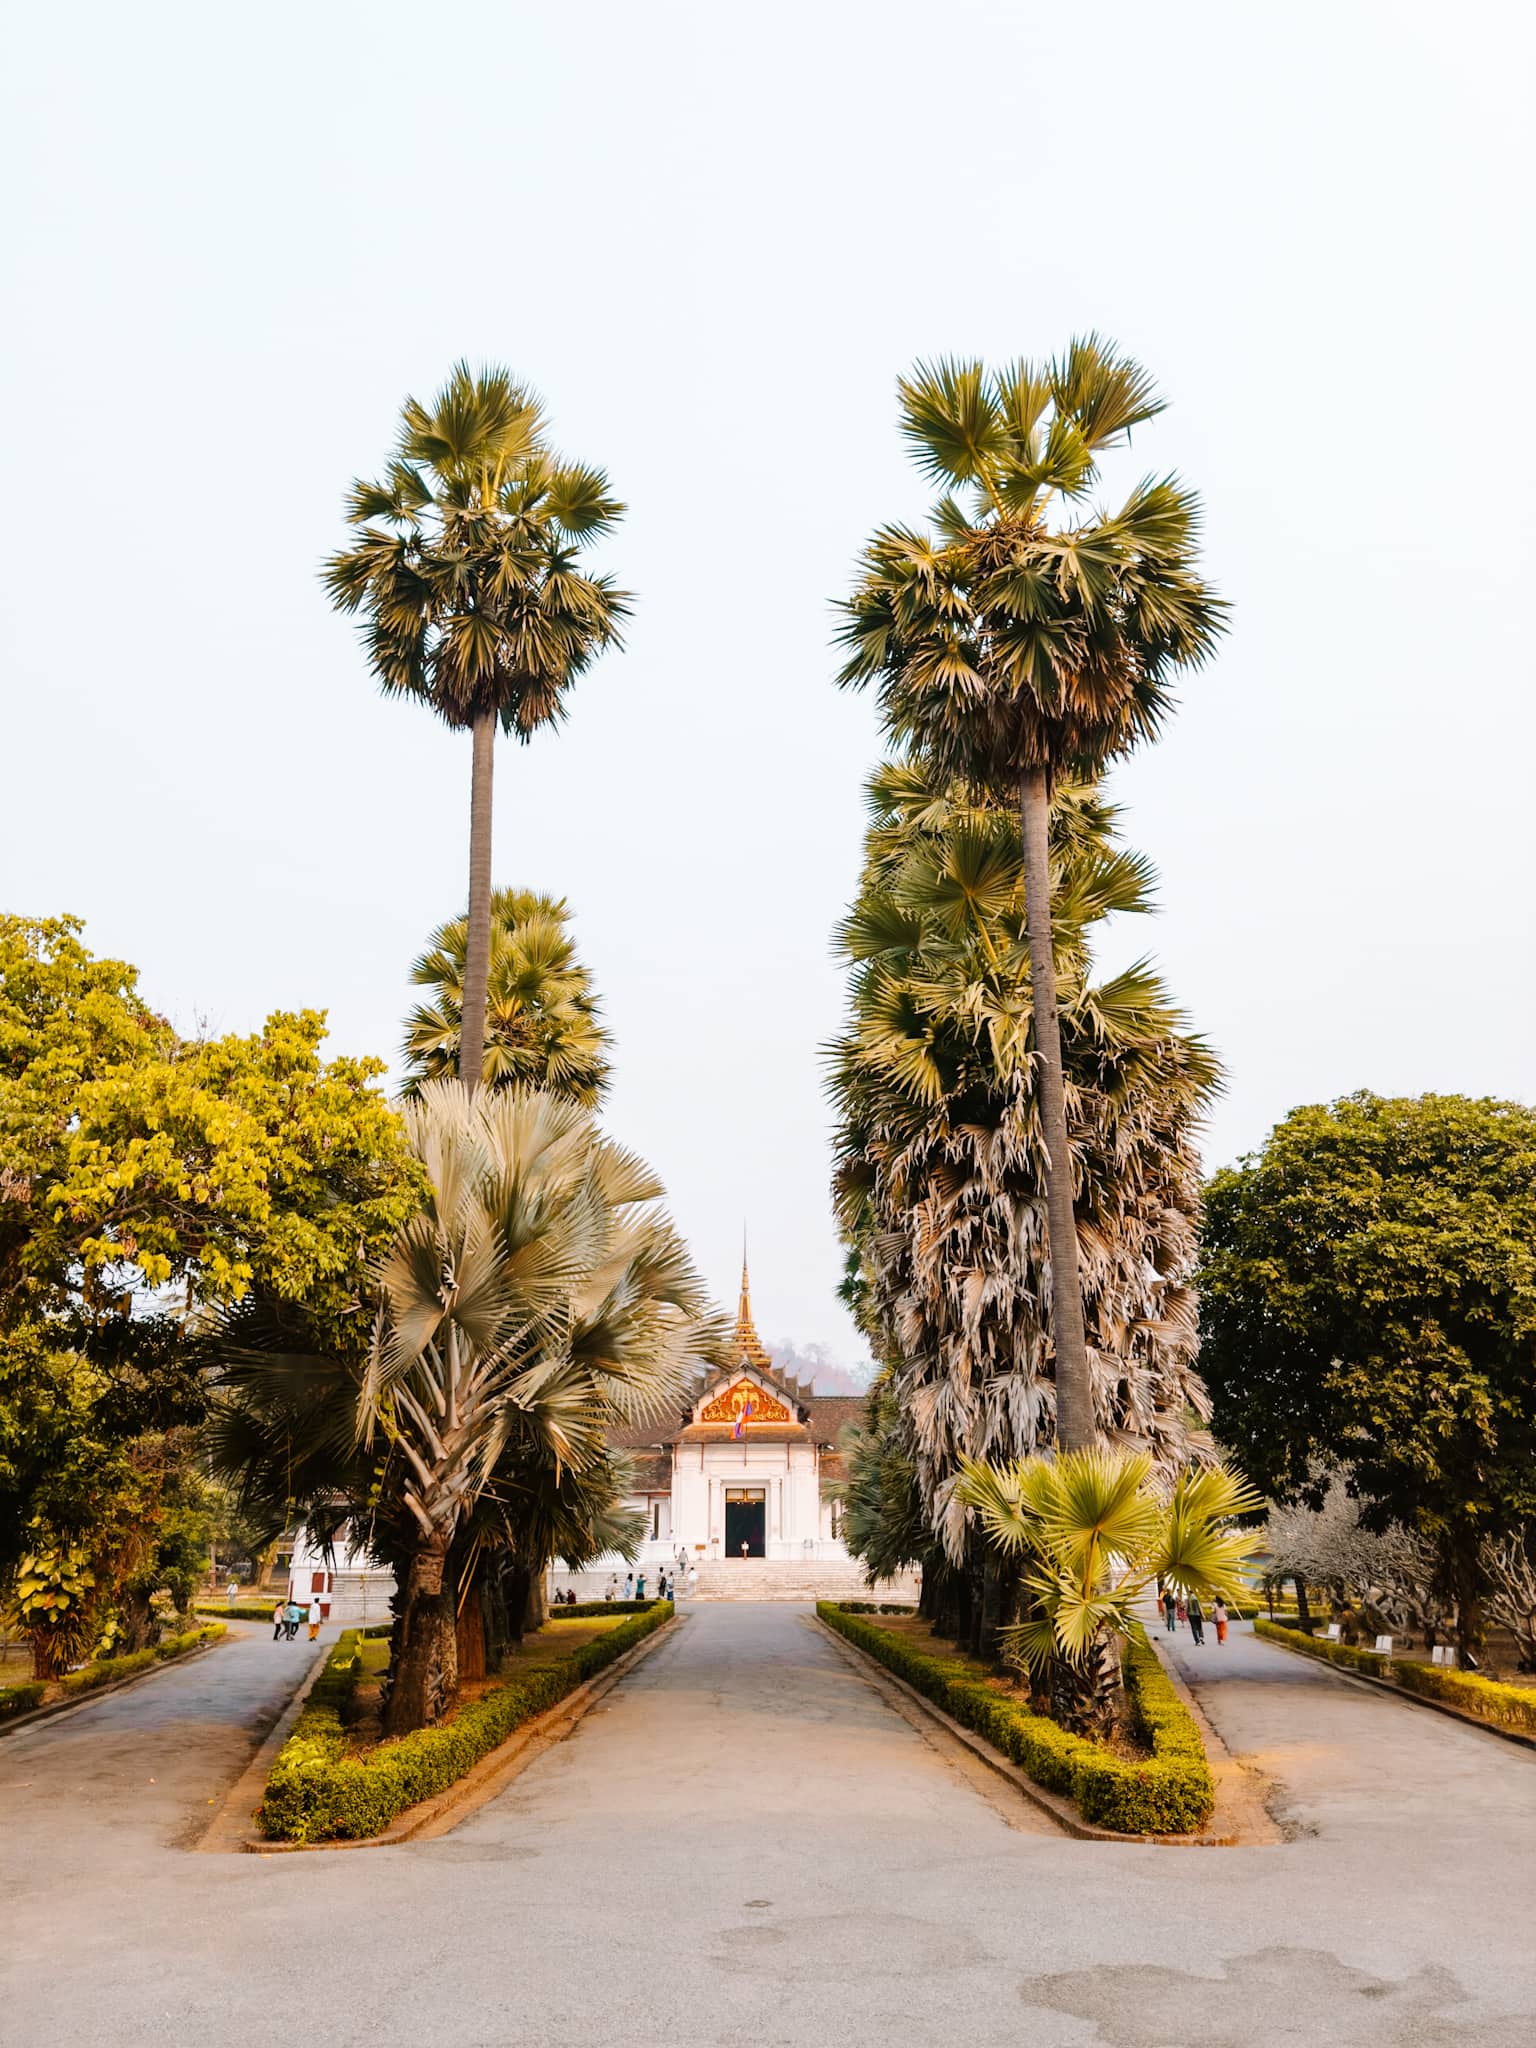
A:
744, 1845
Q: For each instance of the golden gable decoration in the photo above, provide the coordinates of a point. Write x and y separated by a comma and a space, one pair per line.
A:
731, 1404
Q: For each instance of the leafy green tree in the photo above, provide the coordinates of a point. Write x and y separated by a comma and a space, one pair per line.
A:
542, 1025
1013, 651
468, 566
940, 1185
1368, 1303
143, 1177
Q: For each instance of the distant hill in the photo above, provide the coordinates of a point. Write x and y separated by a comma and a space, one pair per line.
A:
815, 1363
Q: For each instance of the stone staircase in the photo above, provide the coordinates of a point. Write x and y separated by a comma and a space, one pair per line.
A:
757, 1578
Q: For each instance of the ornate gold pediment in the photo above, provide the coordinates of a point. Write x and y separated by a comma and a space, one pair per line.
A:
731, 1402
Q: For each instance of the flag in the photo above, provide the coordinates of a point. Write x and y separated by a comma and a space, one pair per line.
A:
743, 1416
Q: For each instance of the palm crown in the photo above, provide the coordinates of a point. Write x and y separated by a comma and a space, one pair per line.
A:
543, 1029
468, 559
1003, 643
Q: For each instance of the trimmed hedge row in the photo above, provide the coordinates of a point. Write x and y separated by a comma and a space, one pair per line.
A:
20, 1699
1484, 1699
247, 1610
588, 1608
877, 1607
317, 1793
1342, 1654
1168, 1793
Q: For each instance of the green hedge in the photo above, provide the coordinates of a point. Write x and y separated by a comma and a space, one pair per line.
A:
1343, 1654
588, 1608
247, 1610
1168, 1793
20, 1699
1484, 1699
877, 1607
317, 1793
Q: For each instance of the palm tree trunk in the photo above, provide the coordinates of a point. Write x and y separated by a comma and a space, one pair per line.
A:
423, 1687
477, 947
1075, 1425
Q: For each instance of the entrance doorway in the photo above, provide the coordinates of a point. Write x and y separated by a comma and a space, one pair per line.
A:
746, 1521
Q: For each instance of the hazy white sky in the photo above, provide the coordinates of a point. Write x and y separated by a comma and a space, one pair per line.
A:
712, 237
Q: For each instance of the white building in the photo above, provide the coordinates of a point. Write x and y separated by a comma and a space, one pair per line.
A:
748, 1470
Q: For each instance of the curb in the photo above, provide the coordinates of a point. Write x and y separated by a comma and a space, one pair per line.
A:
1062, 1811
56, 1709
488, 1778
1233, 1777
1392, 1690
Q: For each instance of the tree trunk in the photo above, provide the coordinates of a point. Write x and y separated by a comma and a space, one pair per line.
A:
1076, 1428
1467, 1585
469, 1635
1303, 1612
423, 1687
477, 947
537, 1611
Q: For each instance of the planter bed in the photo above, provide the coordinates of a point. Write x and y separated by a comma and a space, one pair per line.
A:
321, 1789
1169, 1792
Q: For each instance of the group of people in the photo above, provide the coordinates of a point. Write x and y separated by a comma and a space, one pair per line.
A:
1176, 1609
287, 1615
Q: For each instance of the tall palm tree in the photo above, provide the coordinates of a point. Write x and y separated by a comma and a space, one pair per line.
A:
940, 1182
468, 565
1013, 650
542, 1022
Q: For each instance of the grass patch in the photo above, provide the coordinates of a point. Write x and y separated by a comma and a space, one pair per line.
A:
323, 1788
1167, 1792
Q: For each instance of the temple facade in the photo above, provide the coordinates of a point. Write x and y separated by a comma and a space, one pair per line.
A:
750, 1469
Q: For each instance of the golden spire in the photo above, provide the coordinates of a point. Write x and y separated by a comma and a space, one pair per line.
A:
748, 1346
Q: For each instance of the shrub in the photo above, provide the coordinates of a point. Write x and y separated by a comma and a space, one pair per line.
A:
110, 1669
877, 1607
1169, 1793
587, 1608
245, 1610
1343, 1654
1504, 1706
20, 1699
318, 1793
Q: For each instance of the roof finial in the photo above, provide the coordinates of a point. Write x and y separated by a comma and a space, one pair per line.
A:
749, 1347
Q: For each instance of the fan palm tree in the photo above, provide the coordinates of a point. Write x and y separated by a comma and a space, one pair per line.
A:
542, 1024
468, 565
538, 1299
940, 1180
1013, 650
1097, 1534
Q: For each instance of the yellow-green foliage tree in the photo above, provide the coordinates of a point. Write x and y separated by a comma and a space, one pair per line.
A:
143, 1176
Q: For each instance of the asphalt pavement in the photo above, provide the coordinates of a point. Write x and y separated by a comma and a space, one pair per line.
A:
744, 1844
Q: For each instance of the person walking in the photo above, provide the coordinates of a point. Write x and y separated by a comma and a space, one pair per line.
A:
1196, 1619
1170, 1609
1219, 1616
292, 1615
234, 1591
693, 1580
639, 1585
611, 1590
314, 1620
279, 1620
629, 1585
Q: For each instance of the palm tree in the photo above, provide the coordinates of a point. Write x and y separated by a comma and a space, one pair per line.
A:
468, 565
1097, 1534
539, 1299
542, 1023
940, 1182
1012, 651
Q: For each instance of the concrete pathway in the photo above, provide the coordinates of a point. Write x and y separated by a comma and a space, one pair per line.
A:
745, 1845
